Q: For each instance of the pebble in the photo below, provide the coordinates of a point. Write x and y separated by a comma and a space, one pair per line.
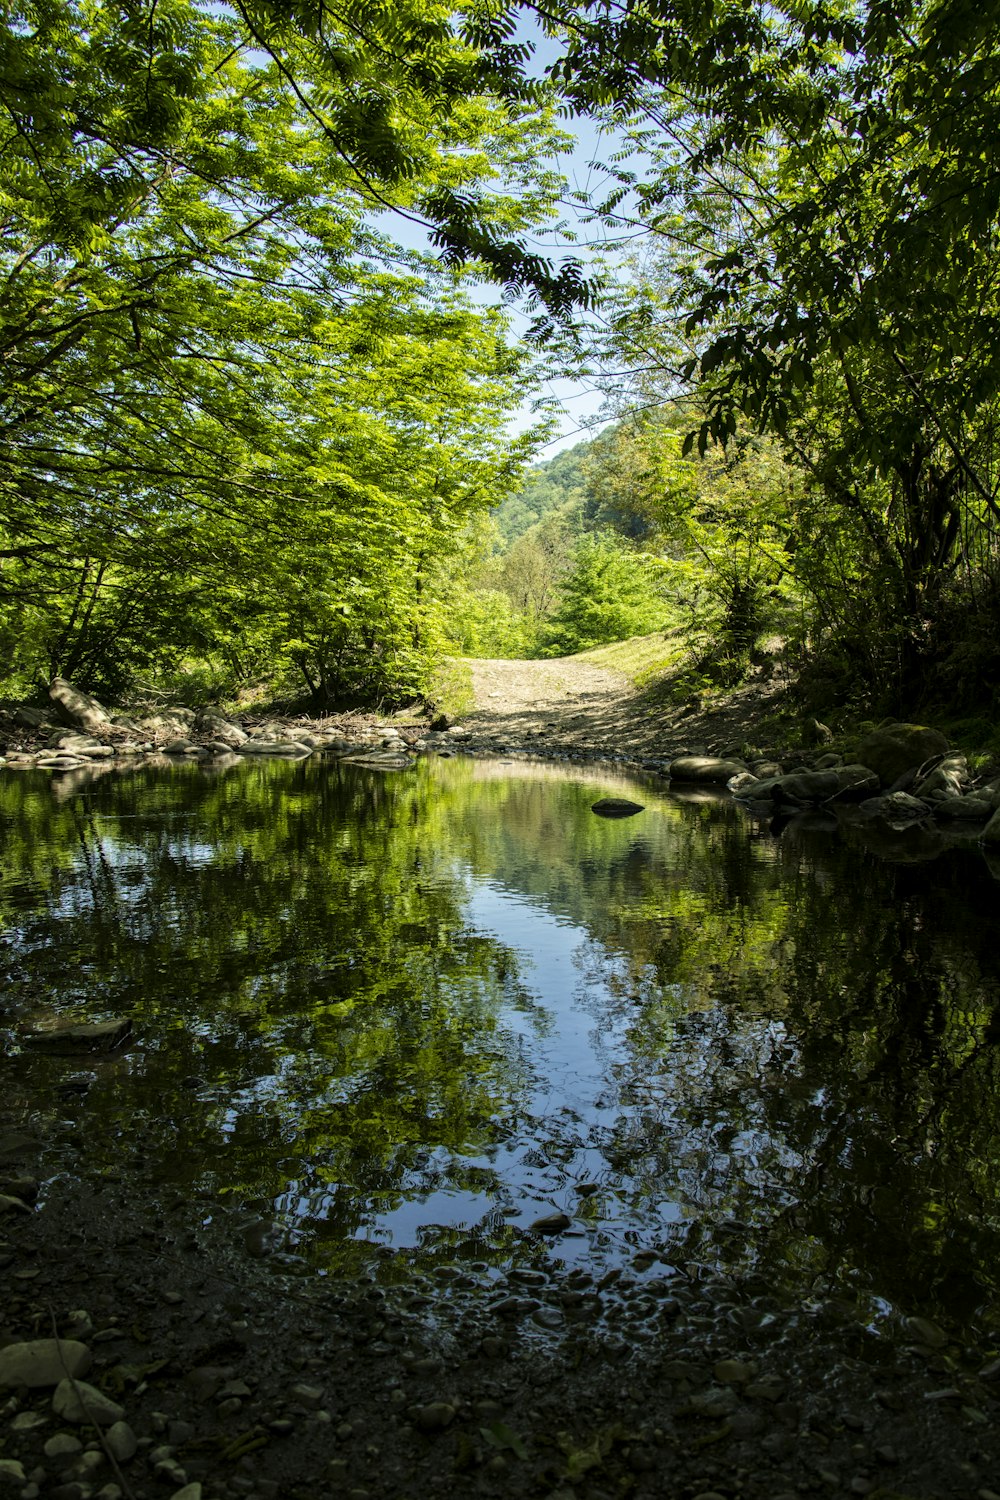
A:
11, 1472
434, 1417
121, 1441
306, 1395
29, 1421
63, 1446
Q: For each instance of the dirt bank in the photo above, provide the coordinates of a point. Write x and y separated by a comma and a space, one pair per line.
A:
570, 705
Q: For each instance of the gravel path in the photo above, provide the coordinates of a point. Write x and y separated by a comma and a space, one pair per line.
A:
570, 706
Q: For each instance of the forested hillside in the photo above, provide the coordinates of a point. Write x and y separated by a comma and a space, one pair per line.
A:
243, 433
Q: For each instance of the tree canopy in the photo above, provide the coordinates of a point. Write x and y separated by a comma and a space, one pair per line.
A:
235, 411
228, 400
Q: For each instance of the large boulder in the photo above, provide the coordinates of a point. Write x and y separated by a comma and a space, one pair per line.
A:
806, 786
856, 781
895, 807
947, 779
963, 808
893, 749
991, 833
216, 727
78, 709
799, 788
169, 723
711, 770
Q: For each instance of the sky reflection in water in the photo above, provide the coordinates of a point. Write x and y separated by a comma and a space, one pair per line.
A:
420, 1010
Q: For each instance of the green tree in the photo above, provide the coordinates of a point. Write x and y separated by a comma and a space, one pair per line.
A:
217, 374
610, 592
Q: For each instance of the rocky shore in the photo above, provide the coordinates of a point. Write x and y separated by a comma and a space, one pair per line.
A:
141, 1357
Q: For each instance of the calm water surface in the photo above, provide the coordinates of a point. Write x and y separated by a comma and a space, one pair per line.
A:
405, 1014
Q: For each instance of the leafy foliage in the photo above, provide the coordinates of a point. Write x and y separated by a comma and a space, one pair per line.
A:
234, 419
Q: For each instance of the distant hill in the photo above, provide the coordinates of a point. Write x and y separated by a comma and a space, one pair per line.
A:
547, 487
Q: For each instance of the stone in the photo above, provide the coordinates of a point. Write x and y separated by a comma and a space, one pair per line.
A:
75, 1401
188, 1492
76, 708
434, 1417
81, 1036
180, 747
966, 808
220, 728
806, 786
29, 718
306, 1395
711, 770
43, 1362
9, 1205
893, 749
11, 1472
896, 807
856, 781
274, 747
948, 776
991, 833
122, 1441
64, 1446
173, 723
552, 1224
616, 807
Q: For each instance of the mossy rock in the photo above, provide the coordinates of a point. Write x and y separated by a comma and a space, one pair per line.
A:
892, 749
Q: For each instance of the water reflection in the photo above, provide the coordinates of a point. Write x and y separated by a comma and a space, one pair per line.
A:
421, 1010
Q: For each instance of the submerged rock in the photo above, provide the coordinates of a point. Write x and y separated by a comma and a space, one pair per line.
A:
616, 807
82, 1036
896, 807
274, 747
552, 1224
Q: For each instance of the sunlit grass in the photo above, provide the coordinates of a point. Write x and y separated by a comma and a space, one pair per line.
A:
643, 658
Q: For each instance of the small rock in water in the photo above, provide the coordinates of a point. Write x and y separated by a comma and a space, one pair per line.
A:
552, 1224
93, 1036
616, 807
